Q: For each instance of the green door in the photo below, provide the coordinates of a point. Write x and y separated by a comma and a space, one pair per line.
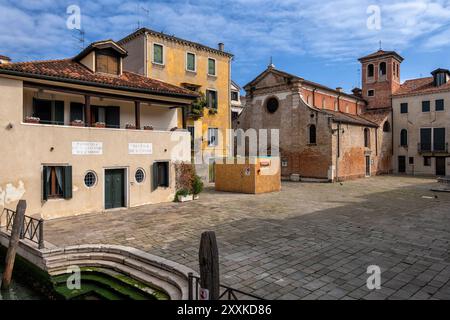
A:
114, 188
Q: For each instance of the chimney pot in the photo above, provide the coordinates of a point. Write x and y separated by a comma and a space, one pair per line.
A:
221, 46
339, 89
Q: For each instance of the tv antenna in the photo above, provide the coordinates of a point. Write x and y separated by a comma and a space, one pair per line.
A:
140, 10
79, 36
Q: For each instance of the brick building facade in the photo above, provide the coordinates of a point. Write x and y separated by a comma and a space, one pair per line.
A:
324, 133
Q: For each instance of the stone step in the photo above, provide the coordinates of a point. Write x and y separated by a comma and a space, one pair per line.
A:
172, 289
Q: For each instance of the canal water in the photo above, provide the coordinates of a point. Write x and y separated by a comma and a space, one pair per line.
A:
18, 290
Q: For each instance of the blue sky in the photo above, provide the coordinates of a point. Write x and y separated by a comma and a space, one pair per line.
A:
317, 40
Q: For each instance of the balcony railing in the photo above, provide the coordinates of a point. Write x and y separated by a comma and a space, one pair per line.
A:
430, 148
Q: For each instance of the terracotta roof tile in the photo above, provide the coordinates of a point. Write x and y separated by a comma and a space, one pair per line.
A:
381, 53
350, 118
421, 86
376, 115
68, 70
5, 58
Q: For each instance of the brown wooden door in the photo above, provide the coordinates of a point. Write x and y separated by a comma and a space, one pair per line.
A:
440, 166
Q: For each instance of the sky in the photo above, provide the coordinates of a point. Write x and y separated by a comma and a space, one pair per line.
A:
317, 40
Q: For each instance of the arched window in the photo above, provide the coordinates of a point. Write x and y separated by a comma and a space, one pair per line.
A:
370, 71
387, 127
382, 68
272, 105
404, 138
312, 134
366, 138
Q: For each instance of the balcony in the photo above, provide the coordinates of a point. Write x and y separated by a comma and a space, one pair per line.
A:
428, 149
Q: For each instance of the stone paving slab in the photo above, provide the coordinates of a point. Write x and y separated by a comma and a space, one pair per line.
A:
309, 241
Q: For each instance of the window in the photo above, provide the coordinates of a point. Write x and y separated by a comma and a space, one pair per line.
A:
404, 138
382, 68
213, 137
190, 62
371, 93
312, 134
107, 62
425, 106
160, 174
370, 70
439, 105
158, 53
387, 127
108, 115
76, 111
234, 115
57, 182
411, 160
211, 67
427, 161
234, 96
425, 139
440, 79
211, 99
90, 179
272, 105
439, 139
49, 111
139, 176
366, 138
403, 108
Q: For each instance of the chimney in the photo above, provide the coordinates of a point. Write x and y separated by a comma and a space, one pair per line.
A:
357, 92
339, 89
4, 59
221, 46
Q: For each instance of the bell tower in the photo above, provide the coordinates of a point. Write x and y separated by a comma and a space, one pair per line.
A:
380, 78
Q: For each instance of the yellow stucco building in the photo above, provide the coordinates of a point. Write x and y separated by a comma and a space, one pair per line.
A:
195, 67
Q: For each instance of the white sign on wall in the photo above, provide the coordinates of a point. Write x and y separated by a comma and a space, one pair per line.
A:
87, 148
140, 148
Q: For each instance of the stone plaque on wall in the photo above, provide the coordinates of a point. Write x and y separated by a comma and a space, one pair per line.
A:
87, 148
140, 148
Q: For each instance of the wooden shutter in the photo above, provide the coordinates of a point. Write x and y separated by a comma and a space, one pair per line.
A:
155, 176
67, 192
59, 112
44, 183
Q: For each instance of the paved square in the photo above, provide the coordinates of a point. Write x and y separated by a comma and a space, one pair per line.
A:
309, 241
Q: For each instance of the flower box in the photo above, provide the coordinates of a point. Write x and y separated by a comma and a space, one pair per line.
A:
32, 120
182, 198
148, 128
130, 126
100, 125
77, 123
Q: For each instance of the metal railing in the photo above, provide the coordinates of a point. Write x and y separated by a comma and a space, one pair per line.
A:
32, 228
226, 293
428, 147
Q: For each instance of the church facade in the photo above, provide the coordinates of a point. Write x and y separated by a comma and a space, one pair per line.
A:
326, 134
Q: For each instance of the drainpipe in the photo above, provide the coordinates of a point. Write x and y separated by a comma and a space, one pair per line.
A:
338, 150
145, 54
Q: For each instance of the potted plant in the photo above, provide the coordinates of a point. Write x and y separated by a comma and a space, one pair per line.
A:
197, 187
32, 120
99, 125
148, 127
197, 107
183, 195
130, 126
77, 123
213, 111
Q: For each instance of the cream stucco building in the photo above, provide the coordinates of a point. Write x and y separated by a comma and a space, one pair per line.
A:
421, 111
82, 135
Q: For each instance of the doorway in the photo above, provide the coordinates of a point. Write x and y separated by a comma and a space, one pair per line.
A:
114, 188
440, 166
367, 166
401, 164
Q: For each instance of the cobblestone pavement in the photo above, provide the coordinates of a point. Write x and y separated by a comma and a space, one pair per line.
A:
309, 241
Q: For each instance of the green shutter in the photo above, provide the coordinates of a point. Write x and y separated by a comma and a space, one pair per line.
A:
212, 67
155, 176
67, 192
44, 183
191, 62
158, 54
59, 112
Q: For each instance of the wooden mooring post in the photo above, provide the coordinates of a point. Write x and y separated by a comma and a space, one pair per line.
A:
13, 243
209, 266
